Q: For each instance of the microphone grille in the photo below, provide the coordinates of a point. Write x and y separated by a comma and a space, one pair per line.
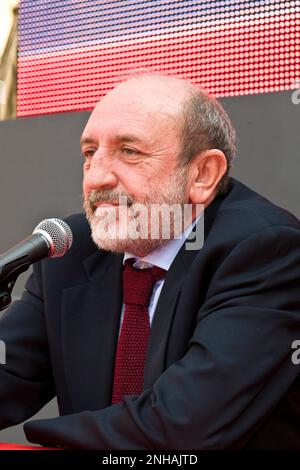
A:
58, 234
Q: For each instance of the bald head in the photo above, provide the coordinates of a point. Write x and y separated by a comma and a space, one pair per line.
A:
151, 94
166, 117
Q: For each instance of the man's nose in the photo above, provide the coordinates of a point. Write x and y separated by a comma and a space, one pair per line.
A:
100, 173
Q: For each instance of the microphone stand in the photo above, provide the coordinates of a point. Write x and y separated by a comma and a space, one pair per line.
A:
5, 293
8, 282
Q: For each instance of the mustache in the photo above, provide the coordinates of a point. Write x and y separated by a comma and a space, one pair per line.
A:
95, 197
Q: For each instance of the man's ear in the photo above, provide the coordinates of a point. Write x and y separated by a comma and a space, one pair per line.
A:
206, 171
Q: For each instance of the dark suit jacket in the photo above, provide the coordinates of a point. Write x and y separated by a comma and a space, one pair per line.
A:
218, 372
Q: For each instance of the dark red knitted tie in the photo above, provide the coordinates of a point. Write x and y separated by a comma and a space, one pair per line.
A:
133, 341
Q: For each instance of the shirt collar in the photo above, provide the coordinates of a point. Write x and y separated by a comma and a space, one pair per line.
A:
163, 256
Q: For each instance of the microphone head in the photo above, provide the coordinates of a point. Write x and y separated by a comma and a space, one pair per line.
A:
58, 235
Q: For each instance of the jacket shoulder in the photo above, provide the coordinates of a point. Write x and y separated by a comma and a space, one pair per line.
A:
243, 213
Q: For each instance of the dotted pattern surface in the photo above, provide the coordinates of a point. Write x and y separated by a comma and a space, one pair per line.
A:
72, 52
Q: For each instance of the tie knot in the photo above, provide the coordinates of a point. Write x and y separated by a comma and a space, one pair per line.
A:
138, 283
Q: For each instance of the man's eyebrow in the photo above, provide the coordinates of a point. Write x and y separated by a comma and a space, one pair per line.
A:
119, 139
127, 138
86, 140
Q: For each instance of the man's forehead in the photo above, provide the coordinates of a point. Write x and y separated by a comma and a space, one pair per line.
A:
148, 95
128, 121
141, 106
120, 138
128, 127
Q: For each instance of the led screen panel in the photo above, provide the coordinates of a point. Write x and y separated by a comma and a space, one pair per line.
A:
72, 52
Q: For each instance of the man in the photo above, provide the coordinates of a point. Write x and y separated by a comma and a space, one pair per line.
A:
212, 369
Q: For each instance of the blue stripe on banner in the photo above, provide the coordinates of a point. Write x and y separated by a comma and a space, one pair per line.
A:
47, 25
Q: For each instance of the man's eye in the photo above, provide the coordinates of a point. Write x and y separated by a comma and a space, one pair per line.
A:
88, 153
129, 151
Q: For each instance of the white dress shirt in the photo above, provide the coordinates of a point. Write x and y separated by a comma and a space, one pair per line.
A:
161, 257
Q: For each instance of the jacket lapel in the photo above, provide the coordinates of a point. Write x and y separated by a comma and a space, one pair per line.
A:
169, 299
162, 321
90, 325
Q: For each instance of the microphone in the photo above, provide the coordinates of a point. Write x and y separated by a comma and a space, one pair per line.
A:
51, 238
